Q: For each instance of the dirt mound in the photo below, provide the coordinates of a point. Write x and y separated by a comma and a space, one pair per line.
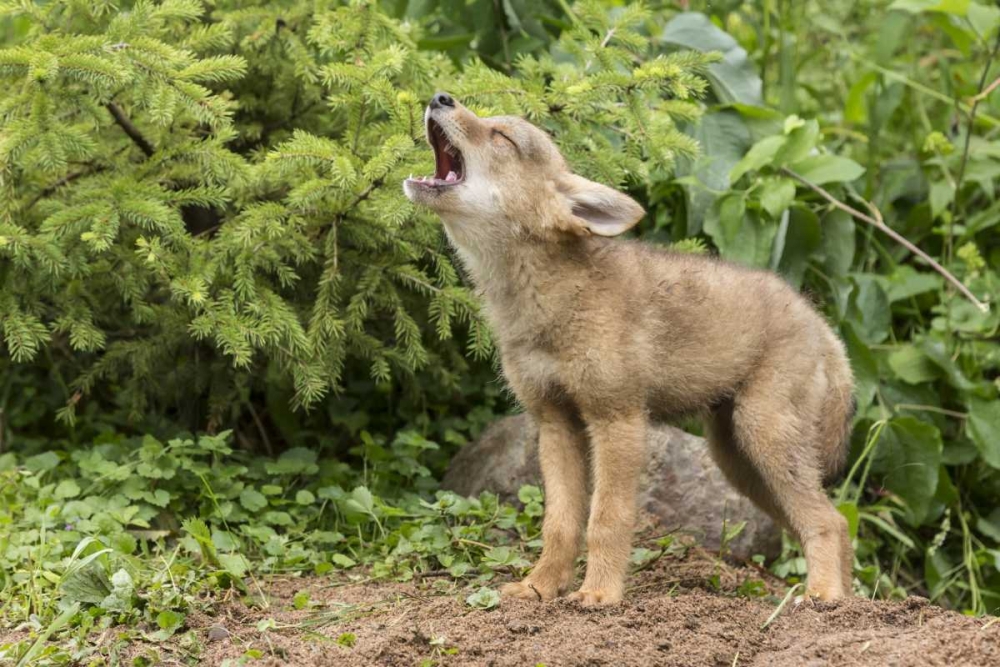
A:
672, 616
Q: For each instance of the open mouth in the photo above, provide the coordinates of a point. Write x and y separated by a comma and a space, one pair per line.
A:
449, 168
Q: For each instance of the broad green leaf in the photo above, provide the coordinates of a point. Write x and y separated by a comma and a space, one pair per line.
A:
88, 585
908, 458
869, 306
864, 366
169, 620
252, 500
850, 512
799, 141
984, 18
937, 353
905, 282
67, 489
942, 193
911, 365
42, 462
838, 242
776, 195
724, 139
990, 525
484, 598
297, 461
760, 154
958, 7
735, 78
983, 426
822, 169
802, 239
235, 564
342, 560
856, 105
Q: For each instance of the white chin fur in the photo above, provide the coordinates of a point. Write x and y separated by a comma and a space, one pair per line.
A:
408, 190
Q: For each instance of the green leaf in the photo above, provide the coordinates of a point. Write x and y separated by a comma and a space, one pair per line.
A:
905, 282
837, 245
760, 154
735, 78
305, 497
958, 7
776, 195
802, 239
342, 560
484, 598
67, 489
724, 139
822, 169
295, 461
863, 364
908, 458
42, 462
856, 105
850, 512
869, 306
799, 141
911, 365
252, 500
942, 194
983, 427
235, 564
169, 620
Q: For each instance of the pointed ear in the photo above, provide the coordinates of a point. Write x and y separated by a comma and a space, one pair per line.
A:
598, 209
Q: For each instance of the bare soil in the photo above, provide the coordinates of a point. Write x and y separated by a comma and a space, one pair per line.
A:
677, 612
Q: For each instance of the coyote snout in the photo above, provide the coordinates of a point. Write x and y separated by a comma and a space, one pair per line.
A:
597, 336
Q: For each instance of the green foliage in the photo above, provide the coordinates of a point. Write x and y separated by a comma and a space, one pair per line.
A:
201, 225
903, 136
78, 528
201, 198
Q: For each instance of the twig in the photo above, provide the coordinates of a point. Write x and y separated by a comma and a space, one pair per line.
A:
891, 233
986, 92
131, 130
957, 203
432, 573
65, 180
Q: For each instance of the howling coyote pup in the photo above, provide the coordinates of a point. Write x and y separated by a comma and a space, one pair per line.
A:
598, 336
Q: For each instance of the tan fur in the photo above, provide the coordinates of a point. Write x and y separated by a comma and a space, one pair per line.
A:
598, 336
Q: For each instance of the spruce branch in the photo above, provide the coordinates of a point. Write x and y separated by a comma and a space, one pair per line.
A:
131, 130
877, 223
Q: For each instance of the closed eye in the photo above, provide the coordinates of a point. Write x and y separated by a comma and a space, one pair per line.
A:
512, 143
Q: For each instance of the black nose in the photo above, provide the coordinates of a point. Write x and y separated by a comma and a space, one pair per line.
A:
442, 100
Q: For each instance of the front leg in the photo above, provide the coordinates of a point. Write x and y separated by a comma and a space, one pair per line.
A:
562, 455
618, 452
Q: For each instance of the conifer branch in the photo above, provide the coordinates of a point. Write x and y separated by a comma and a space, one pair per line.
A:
131, 130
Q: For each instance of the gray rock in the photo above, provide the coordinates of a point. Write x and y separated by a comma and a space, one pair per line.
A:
682, 488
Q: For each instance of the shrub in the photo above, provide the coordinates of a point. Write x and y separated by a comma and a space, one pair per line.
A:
198, 199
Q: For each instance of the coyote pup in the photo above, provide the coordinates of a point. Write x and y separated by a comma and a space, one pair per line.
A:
598, 336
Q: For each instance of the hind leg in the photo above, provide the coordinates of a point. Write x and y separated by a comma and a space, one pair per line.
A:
771, 435
737, 468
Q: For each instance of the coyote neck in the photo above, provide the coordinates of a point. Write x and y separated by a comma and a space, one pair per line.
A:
522, 284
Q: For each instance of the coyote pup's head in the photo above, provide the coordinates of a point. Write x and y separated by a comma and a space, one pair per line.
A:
502, 177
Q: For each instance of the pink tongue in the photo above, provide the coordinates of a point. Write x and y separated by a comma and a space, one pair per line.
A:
452, 176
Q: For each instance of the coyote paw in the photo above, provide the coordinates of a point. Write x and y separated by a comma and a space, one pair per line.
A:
530, 589
596, 597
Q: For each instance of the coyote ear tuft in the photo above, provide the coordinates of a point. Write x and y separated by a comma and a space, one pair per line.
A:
598, 209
